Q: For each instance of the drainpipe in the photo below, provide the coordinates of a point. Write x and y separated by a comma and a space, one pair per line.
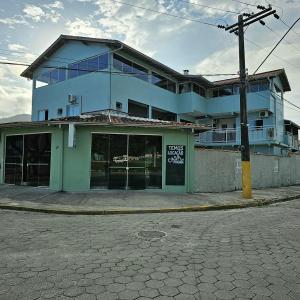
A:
110, 78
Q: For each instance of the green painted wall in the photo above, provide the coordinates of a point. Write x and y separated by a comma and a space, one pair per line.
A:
70, 167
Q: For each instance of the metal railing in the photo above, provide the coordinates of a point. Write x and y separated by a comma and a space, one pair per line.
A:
233, 135
291, 140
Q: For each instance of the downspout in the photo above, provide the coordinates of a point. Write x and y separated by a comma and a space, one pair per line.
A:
62, 157
110, 78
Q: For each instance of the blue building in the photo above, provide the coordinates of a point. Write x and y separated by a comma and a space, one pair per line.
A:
80, 75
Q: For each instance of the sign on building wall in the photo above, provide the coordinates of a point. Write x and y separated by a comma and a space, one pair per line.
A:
175, 165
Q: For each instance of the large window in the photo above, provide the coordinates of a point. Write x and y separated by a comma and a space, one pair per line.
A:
163, 115
121, 161
126, 66
163, 82
138, 109
27, 159
90, 65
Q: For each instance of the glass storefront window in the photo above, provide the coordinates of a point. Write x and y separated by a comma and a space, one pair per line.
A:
120, 161
28, 159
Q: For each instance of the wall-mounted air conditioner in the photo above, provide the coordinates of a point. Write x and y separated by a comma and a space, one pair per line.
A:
72, 99
264, 114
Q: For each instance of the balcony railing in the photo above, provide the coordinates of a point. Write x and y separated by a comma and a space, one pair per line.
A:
291, 140
232, 136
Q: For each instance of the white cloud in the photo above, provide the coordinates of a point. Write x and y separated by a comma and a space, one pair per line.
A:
45, 12
16, 47
56, 4
84, 27
34, 12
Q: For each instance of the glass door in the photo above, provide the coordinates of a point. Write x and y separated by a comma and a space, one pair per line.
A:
120, 161
27, 159
118, 149
136, 162
14, 159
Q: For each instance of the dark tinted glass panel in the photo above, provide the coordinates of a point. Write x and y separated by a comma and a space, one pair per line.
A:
73, 70
103, 61
118, 150
99, 160
137, 109
117, 178
136, 178
28, 162
153, 161
163, 115
83, 68
136, 162
225, 92
13, 159
93, 64
140, 72
136, 151
36, 163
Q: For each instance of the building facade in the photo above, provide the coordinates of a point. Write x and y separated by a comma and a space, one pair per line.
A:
103, 151
78, 75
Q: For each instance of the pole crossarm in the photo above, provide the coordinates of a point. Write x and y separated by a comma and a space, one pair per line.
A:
254, 20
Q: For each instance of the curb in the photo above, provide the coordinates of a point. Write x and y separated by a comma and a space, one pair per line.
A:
198, 208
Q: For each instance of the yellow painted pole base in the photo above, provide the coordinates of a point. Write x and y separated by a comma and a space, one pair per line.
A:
246, 180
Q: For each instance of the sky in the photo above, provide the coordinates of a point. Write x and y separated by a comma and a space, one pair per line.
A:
28, 27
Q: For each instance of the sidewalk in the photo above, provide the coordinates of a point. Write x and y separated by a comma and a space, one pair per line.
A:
128, 202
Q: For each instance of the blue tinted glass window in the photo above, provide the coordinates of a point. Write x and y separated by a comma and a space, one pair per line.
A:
103, 61
54, 76
83, 68
73, 70
45, 77
140, 72
93, 64
62, 74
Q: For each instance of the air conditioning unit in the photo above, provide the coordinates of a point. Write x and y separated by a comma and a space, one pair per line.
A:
72, 99
264, 114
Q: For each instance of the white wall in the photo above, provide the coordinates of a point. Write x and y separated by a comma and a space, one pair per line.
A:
220, 171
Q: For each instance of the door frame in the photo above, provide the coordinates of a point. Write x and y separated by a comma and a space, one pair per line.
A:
127, 168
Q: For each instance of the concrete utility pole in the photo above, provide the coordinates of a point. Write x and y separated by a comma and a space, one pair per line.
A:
238, 29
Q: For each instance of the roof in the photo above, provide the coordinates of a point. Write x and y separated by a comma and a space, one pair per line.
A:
270, 74
109, 120
28, 73
289, 122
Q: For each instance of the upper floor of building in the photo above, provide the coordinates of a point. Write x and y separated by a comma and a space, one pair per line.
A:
77, 75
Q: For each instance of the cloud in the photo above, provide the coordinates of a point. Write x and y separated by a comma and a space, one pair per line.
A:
15, 94
44, 12
84, 27
16, 47
33, 12
15, 20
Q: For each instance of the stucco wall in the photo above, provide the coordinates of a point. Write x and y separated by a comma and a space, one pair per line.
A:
220, 171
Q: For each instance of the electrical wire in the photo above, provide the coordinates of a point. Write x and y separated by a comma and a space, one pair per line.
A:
282, 59
167, 14
210, 7
100, 71
286, 41
276, 45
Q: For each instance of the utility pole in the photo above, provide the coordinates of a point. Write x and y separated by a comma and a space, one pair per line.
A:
238, 29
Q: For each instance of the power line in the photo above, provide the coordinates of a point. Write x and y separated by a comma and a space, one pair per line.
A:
276, 45
210, 7
99, 71
245, 3
260, 47
167, 14
286, 41
288, 26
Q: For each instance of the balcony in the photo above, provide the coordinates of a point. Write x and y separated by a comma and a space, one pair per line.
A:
232, 136
291, 140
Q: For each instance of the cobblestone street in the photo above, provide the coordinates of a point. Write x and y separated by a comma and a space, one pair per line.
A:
237, 254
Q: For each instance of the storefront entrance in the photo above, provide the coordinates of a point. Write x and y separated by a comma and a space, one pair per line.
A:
120, 161
27, 159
